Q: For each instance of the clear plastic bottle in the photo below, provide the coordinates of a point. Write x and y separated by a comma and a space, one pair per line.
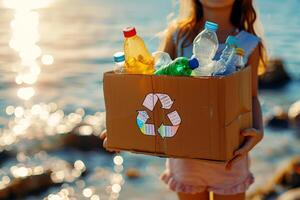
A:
204, 70
240, 64
119, 59
231, 44
138, 59
161, 59
234, 61
206, 44
179, 67
231, 64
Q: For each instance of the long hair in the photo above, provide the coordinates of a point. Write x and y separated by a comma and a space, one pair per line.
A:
243, 17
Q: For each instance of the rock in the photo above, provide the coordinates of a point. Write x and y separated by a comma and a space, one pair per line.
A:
21, 187
290, 195
294, 114
289, 176
133, 173
22, 181
275, 75
286, 179
84, 138
5, 155
279, 119
83, 142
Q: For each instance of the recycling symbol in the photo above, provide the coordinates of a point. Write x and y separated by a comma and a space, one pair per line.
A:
164, 130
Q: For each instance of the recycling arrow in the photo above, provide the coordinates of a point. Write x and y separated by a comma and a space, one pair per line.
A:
149, 129
170, 131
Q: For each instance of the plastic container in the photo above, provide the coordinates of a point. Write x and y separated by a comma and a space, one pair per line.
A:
119, 59
204, 71
231, 64
231, 44
161, 59
240, 64
179, 67
138, 60
206, 44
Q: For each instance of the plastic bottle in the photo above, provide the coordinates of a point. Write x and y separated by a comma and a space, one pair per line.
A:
231, 64
240, 64
138, 59
204, 71
179, 67
119, 59
233, 61
161, 59
206, 44
231, 44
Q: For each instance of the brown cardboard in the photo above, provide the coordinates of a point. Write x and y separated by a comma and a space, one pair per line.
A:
213, 111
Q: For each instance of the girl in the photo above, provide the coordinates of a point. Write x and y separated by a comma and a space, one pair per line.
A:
194, 179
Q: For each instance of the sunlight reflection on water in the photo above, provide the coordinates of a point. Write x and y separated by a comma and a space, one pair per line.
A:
25, 36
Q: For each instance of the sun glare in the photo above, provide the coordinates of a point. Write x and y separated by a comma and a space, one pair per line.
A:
24, 40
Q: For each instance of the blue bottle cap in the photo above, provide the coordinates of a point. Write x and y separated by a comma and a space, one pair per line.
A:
119, 57
211, 26
193, 63
231, 40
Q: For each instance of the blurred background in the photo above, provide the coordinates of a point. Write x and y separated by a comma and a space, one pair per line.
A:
52, 57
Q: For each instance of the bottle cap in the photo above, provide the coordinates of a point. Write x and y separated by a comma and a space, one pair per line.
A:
240, 51
231, 40
211, 26
129, 32
193, 63
119, 57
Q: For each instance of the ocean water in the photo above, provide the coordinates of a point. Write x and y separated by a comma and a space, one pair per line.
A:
57, 50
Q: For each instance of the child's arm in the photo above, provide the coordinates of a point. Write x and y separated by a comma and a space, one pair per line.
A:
253, 135
257, 114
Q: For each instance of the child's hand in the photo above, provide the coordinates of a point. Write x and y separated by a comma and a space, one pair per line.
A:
253, 136
103, 136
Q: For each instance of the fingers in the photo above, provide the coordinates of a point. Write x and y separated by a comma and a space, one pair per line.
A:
105, 143
233, 161
253, 133
163, 176
252, 138
103, 135
105, 147
249, 132
248, 145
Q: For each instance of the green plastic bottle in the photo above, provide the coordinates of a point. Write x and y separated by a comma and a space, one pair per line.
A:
179, 67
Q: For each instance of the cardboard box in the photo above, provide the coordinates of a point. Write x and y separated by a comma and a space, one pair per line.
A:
184, 117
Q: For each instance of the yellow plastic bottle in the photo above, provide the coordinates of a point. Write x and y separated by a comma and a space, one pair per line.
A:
138, 59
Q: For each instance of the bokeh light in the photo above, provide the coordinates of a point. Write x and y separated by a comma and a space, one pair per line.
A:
118, 160
47, 59
26, 93
116, 188
10, 110
87, 192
